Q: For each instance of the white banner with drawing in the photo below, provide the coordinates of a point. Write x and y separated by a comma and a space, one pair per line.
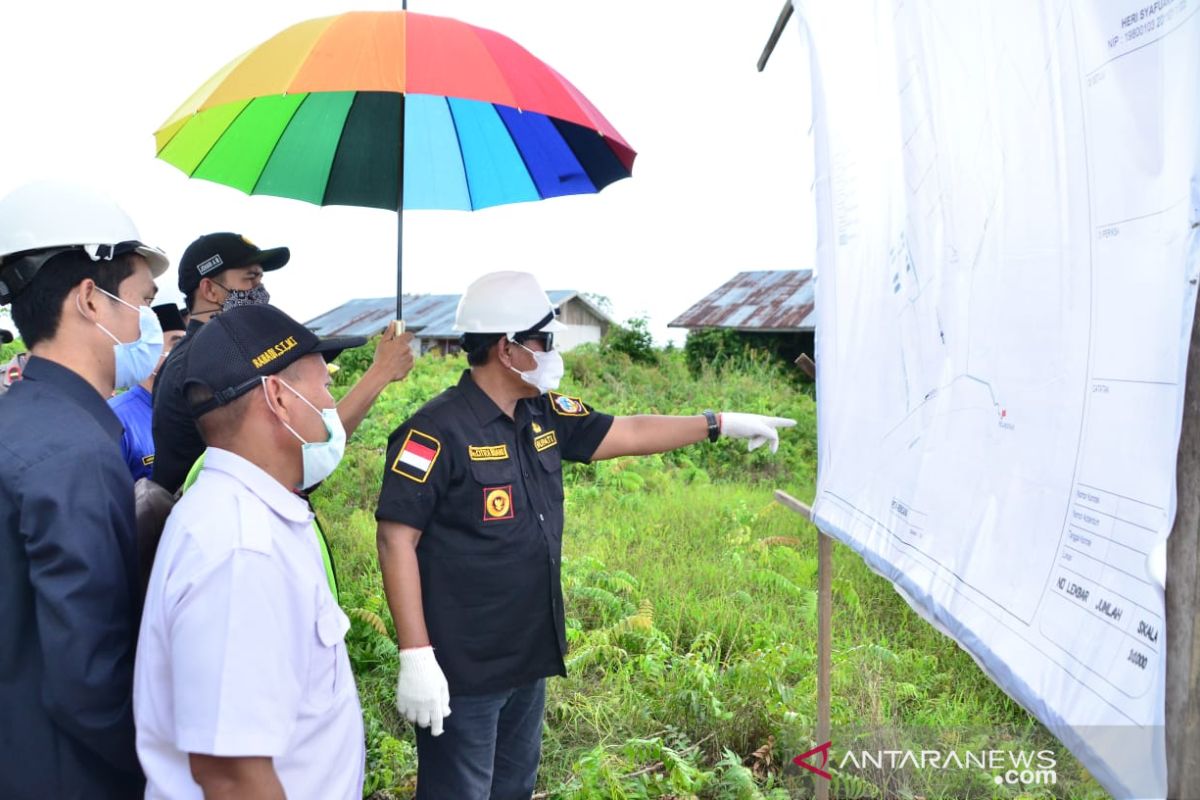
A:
1007, 268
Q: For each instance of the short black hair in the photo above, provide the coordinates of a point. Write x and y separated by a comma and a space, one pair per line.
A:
189, 298
477, 346
221, 421
37, 310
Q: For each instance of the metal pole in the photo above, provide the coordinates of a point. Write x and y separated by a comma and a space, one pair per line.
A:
400, 221
780, 23
1183, 596
824, 626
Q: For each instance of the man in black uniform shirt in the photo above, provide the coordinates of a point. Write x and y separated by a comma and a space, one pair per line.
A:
220, 271
80, 284
470, 538
217, 271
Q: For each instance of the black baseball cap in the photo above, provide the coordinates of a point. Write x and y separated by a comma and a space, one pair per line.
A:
214, 253
234, 350
169, 317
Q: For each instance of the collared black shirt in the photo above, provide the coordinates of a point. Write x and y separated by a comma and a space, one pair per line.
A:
486, 493
177, 440
69, 600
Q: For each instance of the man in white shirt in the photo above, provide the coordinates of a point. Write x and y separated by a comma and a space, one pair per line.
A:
242, 685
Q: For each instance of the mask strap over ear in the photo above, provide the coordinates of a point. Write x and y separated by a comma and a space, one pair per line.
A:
107, 332
303, 399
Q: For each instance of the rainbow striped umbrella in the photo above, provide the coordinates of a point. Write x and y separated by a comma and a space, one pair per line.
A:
394, 110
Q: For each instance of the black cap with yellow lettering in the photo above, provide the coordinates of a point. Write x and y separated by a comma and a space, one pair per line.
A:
233, 351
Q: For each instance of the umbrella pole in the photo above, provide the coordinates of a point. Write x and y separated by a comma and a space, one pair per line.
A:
399, 262
400, 222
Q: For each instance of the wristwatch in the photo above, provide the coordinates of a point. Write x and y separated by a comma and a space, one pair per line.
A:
714, 427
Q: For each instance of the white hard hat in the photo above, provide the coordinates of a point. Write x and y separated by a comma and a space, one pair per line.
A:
46, 215
506, 302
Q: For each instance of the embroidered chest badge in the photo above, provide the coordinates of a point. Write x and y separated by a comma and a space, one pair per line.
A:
497, 503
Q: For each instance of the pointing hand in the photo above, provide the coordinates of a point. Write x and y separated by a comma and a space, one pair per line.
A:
755, 427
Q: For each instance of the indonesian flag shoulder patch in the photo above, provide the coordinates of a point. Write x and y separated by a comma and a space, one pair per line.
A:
417, 456
566, 406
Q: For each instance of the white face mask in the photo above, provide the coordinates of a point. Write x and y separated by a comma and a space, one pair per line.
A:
546, 374
320, 458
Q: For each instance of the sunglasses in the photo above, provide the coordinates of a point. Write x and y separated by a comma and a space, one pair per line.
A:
546, 340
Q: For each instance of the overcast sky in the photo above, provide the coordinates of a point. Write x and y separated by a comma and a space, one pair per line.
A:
722, 182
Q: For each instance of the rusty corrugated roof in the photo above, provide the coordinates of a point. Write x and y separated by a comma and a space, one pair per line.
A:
368, 316
429, 316
761, 301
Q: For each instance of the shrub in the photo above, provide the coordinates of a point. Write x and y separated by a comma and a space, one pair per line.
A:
633, 339
712, 347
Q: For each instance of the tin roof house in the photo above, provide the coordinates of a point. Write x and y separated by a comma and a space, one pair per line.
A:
774, 308
430, 317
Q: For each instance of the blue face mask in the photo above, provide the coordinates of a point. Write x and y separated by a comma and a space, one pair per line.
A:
135, 360
319, 459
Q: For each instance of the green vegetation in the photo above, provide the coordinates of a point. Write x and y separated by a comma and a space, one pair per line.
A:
692, 614
709, 348
632, 339
7, 351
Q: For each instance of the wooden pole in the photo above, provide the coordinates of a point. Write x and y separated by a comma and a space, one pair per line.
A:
1183, 596
824, 626
806, 365
824, 645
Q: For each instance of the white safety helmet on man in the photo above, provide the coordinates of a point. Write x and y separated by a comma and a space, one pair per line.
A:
506, 302
42, 219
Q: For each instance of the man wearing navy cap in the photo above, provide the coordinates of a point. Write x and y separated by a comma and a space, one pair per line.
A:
242, 686
134, 407
218, 272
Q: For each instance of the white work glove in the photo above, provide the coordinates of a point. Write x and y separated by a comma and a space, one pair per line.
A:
755, 427
422, 694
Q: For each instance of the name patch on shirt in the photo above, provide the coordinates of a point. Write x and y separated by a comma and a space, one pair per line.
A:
488, 452
273, 352
567, 406
417, 456
497, 503
147, 460
545, 441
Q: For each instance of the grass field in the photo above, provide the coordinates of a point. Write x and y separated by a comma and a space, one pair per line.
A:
691, 612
